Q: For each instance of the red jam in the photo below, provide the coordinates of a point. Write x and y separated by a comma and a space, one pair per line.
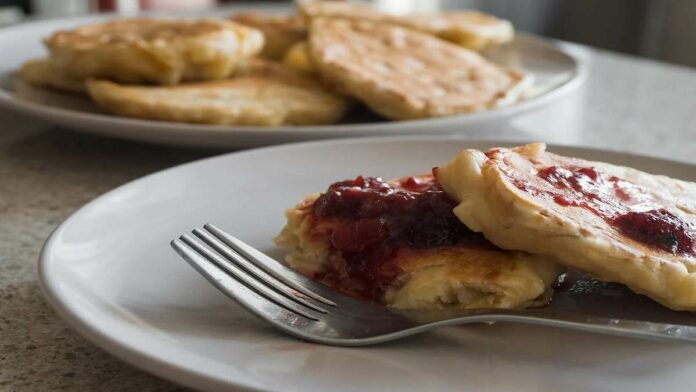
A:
659, 228
369, 220
593, 191
624, 205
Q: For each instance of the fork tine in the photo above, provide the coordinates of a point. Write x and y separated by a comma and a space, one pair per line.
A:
267, 264
253, 271
243, 295
234, 272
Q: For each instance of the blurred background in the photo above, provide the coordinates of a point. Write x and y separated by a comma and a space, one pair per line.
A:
659, 29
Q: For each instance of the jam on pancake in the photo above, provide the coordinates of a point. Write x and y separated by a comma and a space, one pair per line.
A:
368, 222
627, 207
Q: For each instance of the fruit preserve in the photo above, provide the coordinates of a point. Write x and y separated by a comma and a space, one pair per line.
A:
627, 207
367, 221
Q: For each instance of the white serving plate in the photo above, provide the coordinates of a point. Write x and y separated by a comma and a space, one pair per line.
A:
556, 69
110, 273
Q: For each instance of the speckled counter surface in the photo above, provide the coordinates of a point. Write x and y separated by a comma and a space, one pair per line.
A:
46, 174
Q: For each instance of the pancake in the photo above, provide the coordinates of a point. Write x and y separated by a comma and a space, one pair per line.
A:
471, 29
297, 57
471, 278
154, 50
280, 31
44, 73
262, 93
616, 223
404, 74
407, 250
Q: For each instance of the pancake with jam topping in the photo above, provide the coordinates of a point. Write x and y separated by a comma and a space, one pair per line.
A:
617, 223
399, 243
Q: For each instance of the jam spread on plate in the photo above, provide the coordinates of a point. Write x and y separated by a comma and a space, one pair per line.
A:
368, 221
626, 206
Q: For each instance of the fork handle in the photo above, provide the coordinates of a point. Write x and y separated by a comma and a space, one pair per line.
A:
618, 327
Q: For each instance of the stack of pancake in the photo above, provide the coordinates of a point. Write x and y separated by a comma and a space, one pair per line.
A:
494, 229
271, 70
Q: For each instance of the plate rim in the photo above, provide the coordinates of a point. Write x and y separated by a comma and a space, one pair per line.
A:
171, 370
141, 359
60, 116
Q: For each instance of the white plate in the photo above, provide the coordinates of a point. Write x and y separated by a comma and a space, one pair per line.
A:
109, 271
555, 69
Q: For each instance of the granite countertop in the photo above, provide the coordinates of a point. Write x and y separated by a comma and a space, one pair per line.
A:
46, 174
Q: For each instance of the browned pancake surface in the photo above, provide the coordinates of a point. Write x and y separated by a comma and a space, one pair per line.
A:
405, 74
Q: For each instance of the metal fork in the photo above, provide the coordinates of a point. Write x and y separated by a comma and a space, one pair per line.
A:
314, 312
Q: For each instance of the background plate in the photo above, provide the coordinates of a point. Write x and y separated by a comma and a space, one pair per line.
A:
109, 271
555, 69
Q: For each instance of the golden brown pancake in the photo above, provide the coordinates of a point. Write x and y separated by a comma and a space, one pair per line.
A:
262, 93
280, 31
297, 57
154, 50
44, 73
471, 29
405, 74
